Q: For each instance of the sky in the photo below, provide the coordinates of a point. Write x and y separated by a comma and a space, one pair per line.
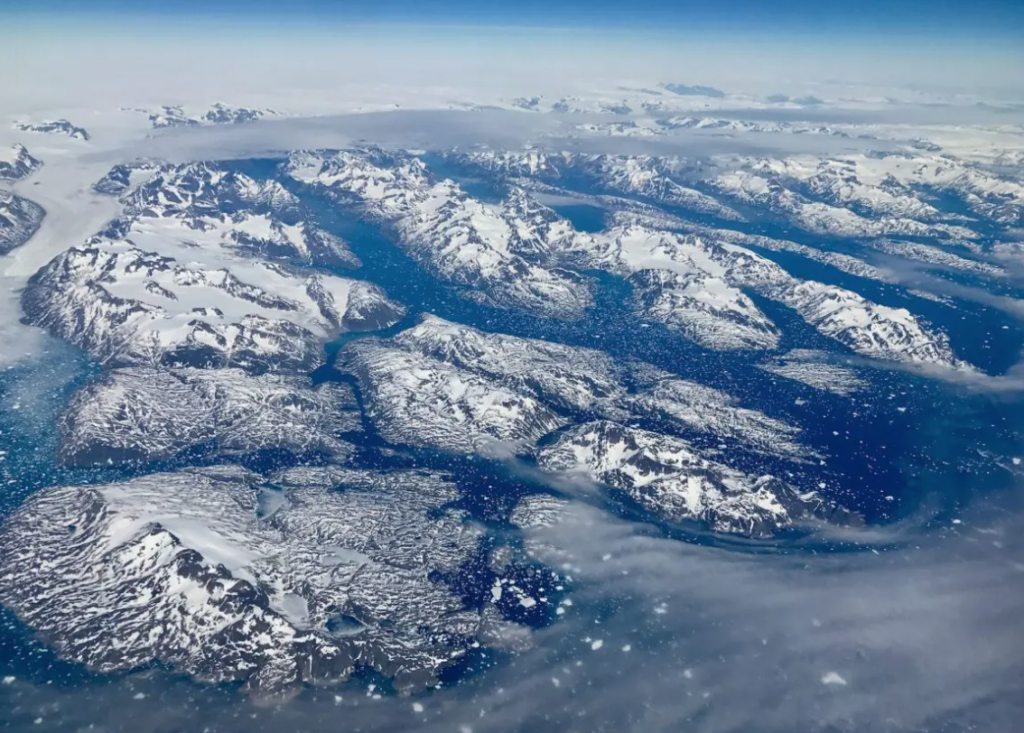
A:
986, 19
221, 51
81, 43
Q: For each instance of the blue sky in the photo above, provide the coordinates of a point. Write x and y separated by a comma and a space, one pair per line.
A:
738, 45
984, 19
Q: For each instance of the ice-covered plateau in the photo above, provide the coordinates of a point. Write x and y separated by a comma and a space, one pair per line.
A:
488, 250
226, 576
17, 163
19, 220
141, 414
667, 475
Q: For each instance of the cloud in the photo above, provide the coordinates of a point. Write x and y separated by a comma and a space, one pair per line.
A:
924, 635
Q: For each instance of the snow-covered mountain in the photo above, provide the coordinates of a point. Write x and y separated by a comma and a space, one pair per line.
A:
208, 299
225, 576
577, 105
218, 114
563, 376
418, 400
124, 176
839, 260
666, 475
729, 125
690, 284
182, 277
450, 386
141, 414
877, 331
860, 195
719, 126
259, 218
19, 220
195, 190
619, 129
768, 194
873, 198
16, 163
54, 127
648, 177
133, 307
701, 411
479, 247
937, 257
899, 186
695, 284
704, 309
